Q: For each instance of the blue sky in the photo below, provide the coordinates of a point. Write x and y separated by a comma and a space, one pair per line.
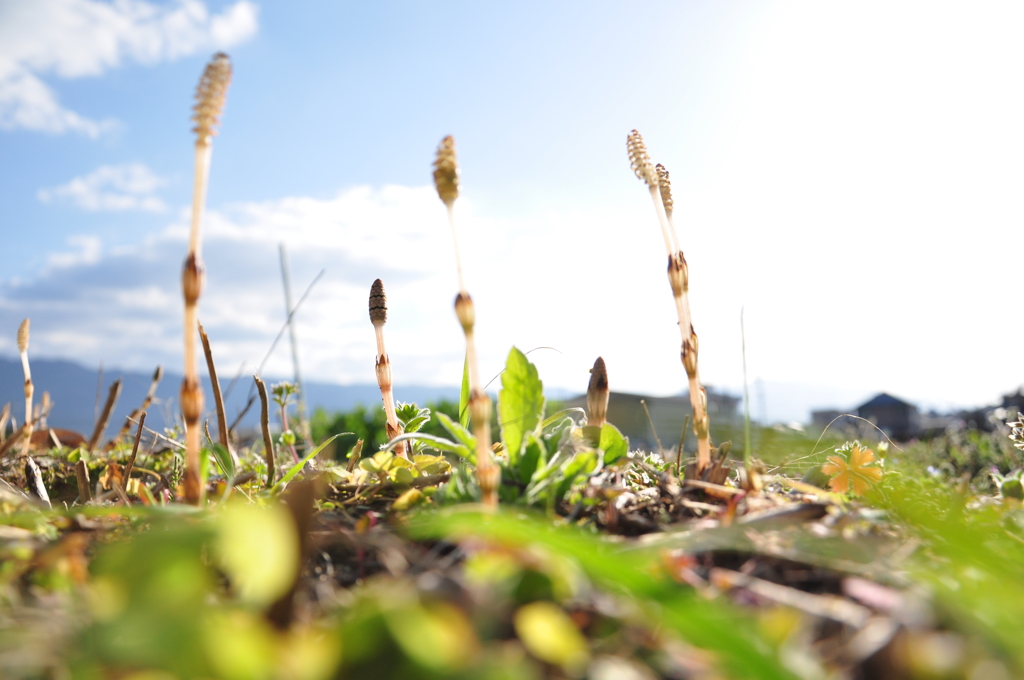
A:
849, 173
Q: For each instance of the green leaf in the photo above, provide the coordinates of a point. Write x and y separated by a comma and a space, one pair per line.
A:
224, 460
295, 469
416, 423
464, 395
259, 549
533, 456
520, 403
458, 431
614, 445
554, 418
439, 443
550, 635
580, 465
634, 571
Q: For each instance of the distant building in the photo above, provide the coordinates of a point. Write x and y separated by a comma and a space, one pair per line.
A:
988, 418
667, 413
822, 419
897, 418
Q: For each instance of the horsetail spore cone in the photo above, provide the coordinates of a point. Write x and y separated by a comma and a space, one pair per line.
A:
657, 180
488, 474
29, 387
446, 179
210, 95
378, 317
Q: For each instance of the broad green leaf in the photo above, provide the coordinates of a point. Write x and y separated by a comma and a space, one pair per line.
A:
520, 403
464, 395
614, 445
295, 469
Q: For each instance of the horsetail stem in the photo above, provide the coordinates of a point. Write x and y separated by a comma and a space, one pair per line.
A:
657, 180
378, 317
210, 94
446, 179
29, 387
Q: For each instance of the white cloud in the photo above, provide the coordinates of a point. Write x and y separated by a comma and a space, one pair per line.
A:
111, 187
88, 253
76, 38
588, 282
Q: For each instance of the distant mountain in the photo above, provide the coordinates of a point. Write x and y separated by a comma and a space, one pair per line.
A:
73, 391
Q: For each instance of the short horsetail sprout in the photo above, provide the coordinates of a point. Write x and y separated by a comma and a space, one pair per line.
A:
210, 95
597, 394
597, 404
29, 388
656, 178
488, 474
378, 317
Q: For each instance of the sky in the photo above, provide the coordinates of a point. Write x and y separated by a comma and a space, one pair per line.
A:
847, 174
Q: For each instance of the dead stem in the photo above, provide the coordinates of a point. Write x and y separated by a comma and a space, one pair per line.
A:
135, 447
108, 406
158, 375
268, 442
657, 440
218, 399
84, 488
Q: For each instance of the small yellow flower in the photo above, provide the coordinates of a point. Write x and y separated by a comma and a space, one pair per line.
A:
856, 471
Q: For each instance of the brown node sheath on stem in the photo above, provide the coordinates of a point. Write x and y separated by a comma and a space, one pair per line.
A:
657, 180
210, 96
446, 179
378, 317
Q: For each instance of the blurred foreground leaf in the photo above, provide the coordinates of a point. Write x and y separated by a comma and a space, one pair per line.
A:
635, 573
